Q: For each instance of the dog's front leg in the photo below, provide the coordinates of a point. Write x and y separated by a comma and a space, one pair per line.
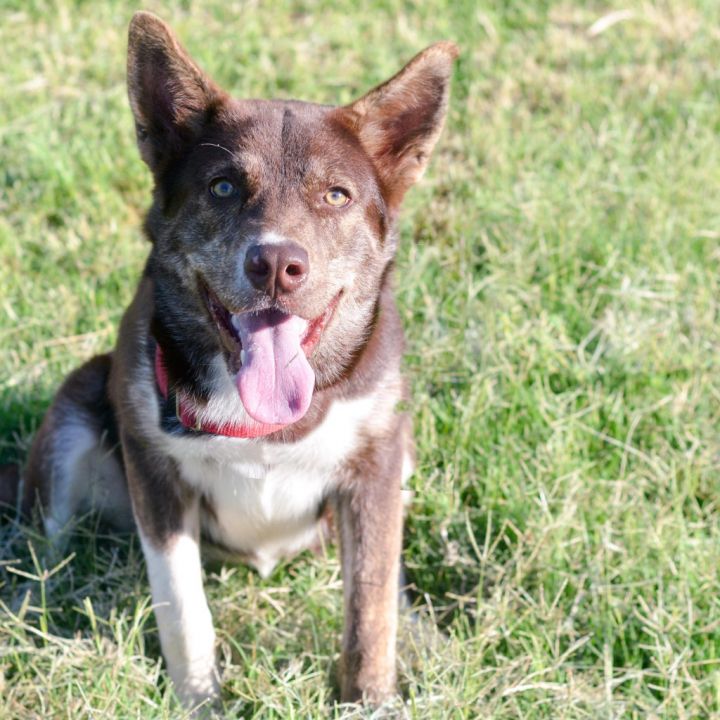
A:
167, 515
370, 523
186, 631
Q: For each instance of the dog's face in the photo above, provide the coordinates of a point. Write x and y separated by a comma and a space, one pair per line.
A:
272, 221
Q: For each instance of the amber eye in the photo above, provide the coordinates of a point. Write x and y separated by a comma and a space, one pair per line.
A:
222, 188
337, 197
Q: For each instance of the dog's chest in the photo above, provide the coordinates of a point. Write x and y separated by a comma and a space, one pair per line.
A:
262, 499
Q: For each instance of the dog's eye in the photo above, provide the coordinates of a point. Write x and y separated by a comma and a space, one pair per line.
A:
222, 188
337, 197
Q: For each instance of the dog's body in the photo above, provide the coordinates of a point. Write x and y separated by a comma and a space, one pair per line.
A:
253, 391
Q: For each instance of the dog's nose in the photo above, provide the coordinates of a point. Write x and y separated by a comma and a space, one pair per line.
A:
278, 269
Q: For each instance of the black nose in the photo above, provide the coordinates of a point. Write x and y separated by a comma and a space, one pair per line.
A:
277, 269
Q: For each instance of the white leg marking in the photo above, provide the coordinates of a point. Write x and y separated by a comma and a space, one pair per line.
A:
186, 631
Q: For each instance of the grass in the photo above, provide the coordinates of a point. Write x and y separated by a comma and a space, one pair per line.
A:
559, 281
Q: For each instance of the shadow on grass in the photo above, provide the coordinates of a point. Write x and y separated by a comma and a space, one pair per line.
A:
450, 570
97, 562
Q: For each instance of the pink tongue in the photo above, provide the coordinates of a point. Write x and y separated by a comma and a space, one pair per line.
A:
275, 381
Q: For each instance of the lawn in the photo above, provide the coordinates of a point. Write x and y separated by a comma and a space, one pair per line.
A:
559, 279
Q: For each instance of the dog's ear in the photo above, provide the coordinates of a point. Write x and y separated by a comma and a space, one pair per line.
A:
170, 96
399, 122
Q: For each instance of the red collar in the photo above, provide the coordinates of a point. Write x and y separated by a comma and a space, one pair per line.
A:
187, 415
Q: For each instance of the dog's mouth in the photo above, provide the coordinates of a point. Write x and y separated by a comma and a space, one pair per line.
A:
269, 353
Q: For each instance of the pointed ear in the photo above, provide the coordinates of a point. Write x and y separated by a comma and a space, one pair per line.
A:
400, 121
170, 97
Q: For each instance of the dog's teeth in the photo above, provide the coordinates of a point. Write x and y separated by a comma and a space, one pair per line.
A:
242, 357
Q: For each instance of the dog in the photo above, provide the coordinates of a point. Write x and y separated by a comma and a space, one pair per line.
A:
252, 397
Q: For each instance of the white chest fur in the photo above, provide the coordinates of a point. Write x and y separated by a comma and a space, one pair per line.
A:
265, 496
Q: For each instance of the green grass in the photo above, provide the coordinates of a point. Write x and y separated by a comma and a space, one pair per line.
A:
559, 282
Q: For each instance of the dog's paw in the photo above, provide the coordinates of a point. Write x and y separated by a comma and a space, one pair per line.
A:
198, 688
202, 707
369, 687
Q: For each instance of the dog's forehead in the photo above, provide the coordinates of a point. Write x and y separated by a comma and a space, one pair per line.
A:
287, 134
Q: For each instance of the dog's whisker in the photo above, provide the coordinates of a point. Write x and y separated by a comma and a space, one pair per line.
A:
220, 147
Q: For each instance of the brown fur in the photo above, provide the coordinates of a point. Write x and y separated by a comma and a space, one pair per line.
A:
370, 521
282, 157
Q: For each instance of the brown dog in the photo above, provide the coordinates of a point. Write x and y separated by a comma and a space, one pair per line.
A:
257, 372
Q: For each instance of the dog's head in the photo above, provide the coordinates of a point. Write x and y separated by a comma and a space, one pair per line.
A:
272, 221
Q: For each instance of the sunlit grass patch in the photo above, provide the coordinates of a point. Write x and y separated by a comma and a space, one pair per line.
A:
558, 279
